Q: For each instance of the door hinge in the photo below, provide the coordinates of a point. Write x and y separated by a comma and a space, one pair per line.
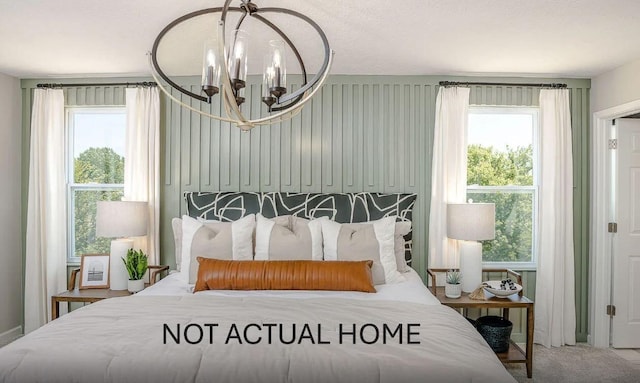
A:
613, 143
612, 227
611, 310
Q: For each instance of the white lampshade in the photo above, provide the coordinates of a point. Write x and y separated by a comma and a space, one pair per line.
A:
471, 221
116, 219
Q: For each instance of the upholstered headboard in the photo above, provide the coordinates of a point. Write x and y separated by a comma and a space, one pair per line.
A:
341, 207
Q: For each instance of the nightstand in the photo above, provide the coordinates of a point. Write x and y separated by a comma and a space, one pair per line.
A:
515, 354
93, 295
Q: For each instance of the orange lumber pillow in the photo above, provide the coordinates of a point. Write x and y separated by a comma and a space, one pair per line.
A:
217, 274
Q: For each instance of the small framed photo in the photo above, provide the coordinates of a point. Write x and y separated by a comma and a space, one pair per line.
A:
94, 271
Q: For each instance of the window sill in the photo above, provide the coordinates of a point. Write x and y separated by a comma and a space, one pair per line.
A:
515, 266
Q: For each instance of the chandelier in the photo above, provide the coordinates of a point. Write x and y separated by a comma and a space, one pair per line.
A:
224, 69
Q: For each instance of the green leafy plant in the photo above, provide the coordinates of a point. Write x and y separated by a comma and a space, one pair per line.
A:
454, 277
136, 264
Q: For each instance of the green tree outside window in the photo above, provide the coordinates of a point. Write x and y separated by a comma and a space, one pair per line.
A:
94, 166
514, 209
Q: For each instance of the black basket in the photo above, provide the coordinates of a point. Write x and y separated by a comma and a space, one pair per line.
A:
496, 331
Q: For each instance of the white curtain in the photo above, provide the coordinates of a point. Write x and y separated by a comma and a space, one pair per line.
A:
448, 171
555, 314
142, 162
46, 241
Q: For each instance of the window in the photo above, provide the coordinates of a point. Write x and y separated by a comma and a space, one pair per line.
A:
501, 169
95, 172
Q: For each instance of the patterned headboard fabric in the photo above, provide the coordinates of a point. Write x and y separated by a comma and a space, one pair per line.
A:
340, 207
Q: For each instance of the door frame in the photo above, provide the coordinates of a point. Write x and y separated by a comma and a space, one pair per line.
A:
601, 213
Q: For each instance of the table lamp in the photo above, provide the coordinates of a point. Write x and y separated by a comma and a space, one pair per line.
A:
470, 223
120, 220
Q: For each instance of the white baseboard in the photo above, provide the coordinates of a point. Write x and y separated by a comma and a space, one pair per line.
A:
10, 335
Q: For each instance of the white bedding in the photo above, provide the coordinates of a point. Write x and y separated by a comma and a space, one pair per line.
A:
122, 339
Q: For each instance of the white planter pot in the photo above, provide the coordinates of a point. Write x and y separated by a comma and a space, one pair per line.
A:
135, 286
452, 291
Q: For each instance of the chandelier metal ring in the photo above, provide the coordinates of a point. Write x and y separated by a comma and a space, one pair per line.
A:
287, 105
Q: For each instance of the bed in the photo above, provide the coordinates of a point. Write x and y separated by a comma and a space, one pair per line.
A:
168, 333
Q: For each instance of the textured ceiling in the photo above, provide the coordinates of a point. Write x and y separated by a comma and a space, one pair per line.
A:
575, 38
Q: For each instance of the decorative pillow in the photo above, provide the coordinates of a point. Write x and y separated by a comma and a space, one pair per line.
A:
361, 241
214, 274
402, 228
288, 238
213, 239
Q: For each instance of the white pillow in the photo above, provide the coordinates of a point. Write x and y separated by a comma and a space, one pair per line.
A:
288, 238
402, 228
176, 225
241, 240
359, 241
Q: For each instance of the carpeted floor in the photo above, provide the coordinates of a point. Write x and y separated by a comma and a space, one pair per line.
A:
581, 363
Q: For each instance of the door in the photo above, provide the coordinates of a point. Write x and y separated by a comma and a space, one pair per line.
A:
626, 255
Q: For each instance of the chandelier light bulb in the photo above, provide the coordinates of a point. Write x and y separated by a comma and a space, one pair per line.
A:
278, 87
210, 69
238, 62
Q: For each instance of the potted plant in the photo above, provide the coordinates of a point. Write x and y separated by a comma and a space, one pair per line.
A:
452, 287
136, 264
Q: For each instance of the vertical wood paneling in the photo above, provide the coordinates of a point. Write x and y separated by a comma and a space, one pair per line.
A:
314, 146
412, 143
70, 96
296, 145
254, 147
372, 133
244, 176
381, 113
306, 147
358, 135
328, 139
369, 146
108, 95
421, 220
286, 156
348, 144
99, 95
205, 152
186, 130
225, 156
216, 134
195, 126
275, 158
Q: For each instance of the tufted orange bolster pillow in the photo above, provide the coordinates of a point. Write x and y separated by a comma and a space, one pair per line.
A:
217, 274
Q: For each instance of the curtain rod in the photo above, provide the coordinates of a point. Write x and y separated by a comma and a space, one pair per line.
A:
456, 83
144, 83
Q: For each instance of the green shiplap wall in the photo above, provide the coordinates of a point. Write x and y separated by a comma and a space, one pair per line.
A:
360, 133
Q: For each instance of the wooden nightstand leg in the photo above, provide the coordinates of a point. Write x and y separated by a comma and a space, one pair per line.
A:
505, 313
55, 308
530, 341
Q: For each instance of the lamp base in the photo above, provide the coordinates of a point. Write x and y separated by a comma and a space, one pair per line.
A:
470, 265
119, 277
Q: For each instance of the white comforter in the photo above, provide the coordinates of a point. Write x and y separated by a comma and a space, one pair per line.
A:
122, 340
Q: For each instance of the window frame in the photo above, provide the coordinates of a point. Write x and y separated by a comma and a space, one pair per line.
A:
533, 189
71, 185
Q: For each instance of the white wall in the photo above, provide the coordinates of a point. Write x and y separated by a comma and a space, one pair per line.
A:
10, 214
616, 87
